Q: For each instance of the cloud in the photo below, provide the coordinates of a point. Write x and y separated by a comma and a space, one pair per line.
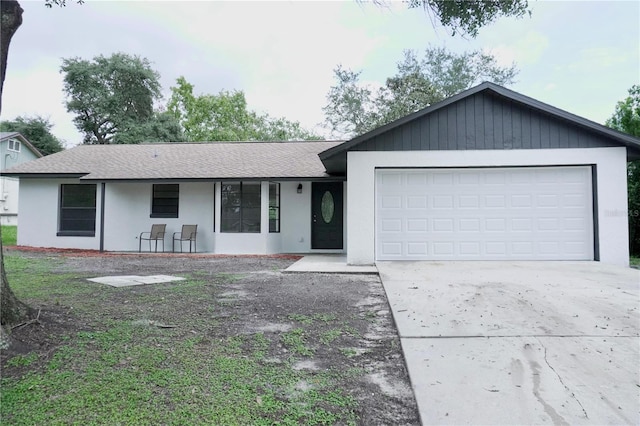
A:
601, 57
39, 92
523, 51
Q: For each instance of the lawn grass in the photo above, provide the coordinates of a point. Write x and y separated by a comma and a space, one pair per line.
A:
9, 235
120, 370
634, 261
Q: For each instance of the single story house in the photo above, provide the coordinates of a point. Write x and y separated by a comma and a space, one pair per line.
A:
488, 174
14, 149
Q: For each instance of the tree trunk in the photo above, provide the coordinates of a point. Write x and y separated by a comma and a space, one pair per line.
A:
10, 21
12, 311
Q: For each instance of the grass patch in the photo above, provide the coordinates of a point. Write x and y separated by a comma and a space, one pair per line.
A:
348, 352
124, 375
329, 336
296, 341
229, 278
124, 368
22, 360
635, 261
34, 279
9, 235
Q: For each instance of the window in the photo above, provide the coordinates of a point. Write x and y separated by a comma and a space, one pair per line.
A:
77, 210
14, 145
240, 210
274, 207
165, 200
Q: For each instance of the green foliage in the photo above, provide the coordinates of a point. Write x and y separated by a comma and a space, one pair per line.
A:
37, 130
327, 337
110, 95
226, 117
23, 360
161, 127
9, 235
296, 341
353, 109
626, 118
464, 16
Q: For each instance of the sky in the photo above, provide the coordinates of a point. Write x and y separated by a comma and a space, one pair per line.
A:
580, 56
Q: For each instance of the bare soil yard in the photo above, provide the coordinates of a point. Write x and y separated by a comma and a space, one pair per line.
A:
315, 348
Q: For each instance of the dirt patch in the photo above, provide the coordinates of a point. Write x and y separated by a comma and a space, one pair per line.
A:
323, 321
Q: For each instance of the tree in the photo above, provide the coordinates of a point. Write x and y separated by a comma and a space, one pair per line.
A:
353, 108
10, 21
626, 118
12, 310
226, 117
110, 95
468, 16
280, 129
162, 127
37, 130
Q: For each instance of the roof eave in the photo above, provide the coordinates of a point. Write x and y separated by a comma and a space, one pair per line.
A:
42, 175
213, 178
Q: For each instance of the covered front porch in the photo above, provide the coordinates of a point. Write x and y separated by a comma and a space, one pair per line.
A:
232, 216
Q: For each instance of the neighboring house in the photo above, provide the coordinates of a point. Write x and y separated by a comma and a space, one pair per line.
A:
14, 149
488, 174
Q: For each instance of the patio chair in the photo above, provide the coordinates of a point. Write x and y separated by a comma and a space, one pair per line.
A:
188, 233
156, 234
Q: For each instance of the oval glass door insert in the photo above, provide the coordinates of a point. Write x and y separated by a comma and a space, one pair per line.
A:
327, 207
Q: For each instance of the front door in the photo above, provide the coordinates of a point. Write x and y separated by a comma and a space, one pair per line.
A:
326, 215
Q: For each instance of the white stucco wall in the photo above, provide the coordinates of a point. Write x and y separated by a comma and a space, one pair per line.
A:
295, 217
38, 226
128, 207
127, 214
611, 189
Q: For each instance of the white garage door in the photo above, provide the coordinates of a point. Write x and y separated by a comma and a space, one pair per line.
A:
528, 213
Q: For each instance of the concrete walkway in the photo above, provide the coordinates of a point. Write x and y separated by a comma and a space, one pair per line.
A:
132, 280
329, 264
519, 342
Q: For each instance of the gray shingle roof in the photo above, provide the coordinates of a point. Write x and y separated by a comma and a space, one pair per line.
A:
217, 160
7, 135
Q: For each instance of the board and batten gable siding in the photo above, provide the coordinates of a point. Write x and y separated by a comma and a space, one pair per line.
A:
481, 122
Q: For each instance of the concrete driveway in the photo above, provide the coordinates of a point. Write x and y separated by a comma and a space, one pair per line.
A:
519, 342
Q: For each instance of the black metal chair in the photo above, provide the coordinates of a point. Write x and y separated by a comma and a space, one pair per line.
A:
156, 234
188, 233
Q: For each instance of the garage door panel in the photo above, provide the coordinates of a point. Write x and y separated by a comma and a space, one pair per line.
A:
416, 202
416, 179
516, 213
417, 248
470, 248
469, 225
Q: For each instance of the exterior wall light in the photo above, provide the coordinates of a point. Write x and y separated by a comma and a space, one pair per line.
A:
299, 188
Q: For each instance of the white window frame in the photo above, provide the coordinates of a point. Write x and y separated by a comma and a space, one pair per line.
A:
14, 145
